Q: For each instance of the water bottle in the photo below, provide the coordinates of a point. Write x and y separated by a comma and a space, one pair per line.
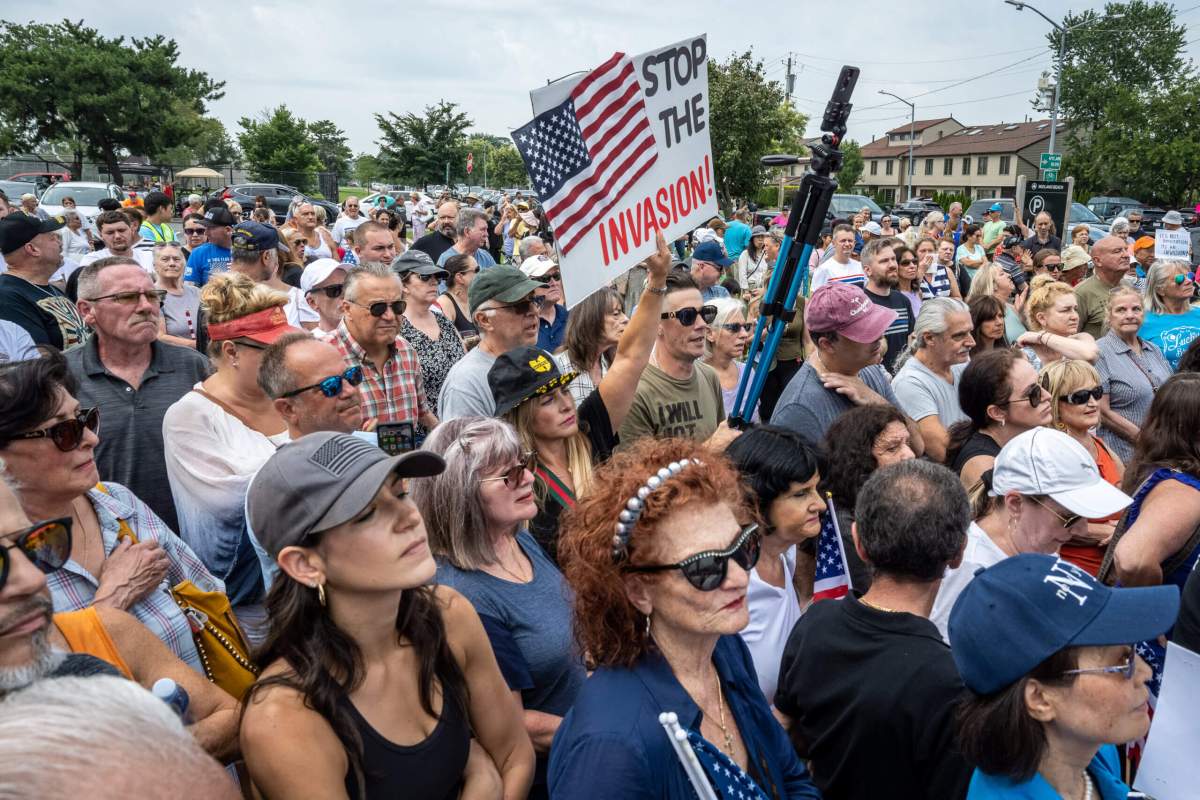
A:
175, 696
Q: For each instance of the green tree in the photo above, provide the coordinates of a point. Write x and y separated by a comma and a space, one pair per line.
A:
505, 167
748, 118
481, 146
332, 149
852, 166
416, 149
114, 98
208, 144
366, 169
279, 148
1136, 131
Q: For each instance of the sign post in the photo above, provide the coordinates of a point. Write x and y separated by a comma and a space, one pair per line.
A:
1052, 197
1051, 163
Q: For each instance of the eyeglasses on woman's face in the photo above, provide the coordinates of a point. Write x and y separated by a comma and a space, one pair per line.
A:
68, 434
1066, 520
1125, 669
514, 475
1032, 395
706, 571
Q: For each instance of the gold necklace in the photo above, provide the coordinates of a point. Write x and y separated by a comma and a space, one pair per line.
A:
721, 723
877, 607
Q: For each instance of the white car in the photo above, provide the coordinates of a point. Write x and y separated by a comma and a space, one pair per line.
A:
87, 195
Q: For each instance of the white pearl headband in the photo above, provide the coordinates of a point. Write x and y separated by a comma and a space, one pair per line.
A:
628, 517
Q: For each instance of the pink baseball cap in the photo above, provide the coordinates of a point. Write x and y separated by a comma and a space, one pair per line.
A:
845, 308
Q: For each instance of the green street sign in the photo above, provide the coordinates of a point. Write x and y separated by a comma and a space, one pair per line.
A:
1049, 174
1051, 161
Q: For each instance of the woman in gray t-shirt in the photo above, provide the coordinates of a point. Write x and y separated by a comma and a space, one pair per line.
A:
182, 301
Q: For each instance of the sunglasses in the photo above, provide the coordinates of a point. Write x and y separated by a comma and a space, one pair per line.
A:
907, 261
555, 276
432, 278
1066, 521
1033, 395
735, 327
524, 307
1179, 279
1081, 397
195, 231
332, 292
331, 386
1125, 670
68, 434
515, 474
46, 544
706, 571
154, 296
381, 308
687, 316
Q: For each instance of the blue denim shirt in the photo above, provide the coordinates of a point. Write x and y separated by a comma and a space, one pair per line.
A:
610, 746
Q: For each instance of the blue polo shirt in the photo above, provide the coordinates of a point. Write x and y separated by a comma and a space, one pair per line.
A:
205, 261
737, 238
551, 334
1104, 770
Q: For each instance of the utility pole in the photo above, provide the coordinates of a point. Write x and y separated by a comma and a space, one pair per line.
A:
790, 80
912, 124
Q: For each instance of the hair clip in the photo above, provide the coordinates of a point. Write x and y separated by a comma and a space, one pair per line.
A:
628, 517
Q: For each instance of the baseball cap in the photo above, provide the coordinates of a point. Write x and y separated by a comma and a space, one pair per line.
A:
322, 480
1015, 240
712, 252
264, 327
253, 237
1014, 615
758, 230
18, 230
1075, 256
995, 207
417, 262
218, 216
522, 373
846, 309
538, 266
318, 272
1045, 461
1172, 218
872, 228
504, 283
1143, 242
703, 234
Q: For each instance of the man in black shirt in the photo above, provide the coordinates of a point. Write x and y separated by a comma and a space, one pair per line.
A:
441, 236
1042, 238
867, 682
879, 264
32, 249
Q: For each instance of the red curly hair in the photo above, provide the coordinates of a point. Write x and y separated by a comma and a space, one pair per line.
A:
608, 627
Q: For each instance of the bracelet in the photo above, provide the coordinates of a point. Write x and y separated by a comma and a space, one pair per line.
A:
661, 292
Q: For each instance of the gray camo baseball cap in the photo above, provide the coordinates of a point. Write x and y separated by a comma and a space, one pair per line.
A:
322, 480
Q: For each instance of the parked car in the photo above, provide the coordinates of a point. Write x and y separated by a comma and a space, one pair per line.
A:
1109, 207
278, 197
13, 190
915, 210
1097, 228
40, 180
845, 206
87, 196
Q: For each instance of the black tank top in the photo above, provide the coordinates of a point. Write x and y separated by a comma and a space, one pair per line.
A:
429, 770
980, 444
462, 323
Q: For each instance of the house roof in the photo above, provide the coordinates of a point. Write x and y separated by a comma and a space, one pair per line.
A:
996, 138
919, 125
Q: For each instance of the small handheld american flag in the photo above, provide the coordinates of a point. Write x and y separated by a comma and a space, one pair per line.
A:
583, 154
832, 575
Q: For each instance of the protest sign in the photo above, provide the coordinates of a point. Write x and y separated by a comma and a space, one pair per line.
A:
1169, 769
620, 154
1172, 244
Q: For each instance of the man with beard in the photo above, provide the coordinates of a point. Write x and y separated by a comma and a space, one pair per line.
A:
131, 376
310, 386
879, 264
119, 238
471, 232
439, 240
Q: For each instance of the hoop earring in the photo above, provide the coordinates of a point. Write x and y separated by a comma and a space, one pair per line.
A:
321, 594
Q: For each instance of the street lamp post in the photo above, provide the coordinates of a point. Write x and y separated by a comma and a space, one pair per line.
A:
912, 124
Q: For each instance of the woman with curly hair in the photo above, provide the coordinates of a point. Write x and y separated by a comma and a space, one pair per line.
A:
659, 561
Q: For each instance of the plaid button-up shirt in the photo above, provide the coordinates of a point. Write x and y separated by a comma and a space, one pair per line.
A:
391, 392
73, 587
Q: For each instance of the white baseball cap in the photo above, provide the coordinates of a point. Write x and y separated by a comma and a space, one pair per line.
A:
318, 272
872, 228
1045, 461
537, 266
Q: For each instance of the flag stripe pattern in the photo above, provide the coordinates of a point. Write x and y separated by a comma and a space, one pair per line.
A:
584, 153
832, 574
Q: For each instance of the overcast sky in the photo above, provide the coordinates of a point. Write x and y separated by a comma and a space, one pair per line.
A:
346, 61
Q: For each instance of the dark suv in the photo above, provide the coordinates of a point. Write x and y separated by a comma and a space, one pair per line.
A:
915, 210
278, 196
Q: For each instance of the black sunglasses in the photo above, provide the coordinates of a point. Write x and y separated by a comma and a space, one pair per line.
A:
433, 277
706, 571
332, 292
331, 386
513, 475
735, 327
68, 434
1081, 397
47, 544
380, 308
687, 316
195, 231
524, 307
1032, 395
907, 261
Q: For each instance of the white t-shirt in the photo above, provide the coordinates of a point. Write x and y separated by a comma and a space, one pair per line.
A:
981, 551
142, 256
833, 272
343, 224
774, 611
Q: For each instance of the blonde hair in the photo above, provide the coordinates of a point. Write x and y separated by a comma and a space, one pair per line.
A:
231, 295
1160, 272
1044, 291
984, 282
579, 449
1064, 376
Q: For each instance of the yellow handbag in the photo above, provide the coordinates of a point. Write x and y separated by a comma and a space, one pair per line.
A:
219, 640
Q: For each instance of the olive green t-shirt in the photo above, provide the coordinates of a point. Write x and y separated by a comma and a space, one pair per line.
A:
664, 406
1092, 296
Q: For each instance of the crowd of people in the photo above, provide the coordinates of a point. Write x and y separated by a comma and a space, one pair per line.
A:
397, 515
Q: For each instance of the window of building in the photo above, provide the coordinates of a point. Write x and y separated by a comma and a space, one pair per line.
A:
1005, 164
929, 166
982, 170
888, 167
874, 167
967, 165
889, 195
947, 166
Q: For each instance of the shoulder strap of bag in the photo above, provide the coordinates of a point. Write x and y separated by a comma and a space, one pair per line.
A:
126, 531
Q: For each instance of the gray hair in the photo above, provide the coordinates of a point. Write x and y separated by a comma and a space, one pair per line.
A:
273, 376
1160, 271
322, 215
89, 276
70, 213
1119, 227
165, 245
368, 269
454, 515
467, 217
726, 308
117, 734
527, 243
194, 198
931, 319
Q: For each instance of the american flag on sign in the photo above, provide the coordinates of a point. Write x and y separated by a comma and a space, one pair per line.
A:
584, 153
729, 781
833, 576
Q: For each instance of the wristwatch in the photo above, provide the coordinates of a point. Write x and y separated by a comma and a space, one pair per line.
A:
652, 290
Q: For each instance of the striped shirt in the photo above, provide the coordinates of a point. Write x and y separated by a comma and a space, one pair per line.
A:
938, 285
73, 587
1129, 381
391, 392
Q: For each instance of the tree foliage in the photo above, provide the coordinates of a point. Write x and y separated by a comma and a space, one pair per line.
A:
416, 149
748, 118
279, 148
332, 150
505, 167
852, 166
208, 143
112, 97
1131, 101
366, 169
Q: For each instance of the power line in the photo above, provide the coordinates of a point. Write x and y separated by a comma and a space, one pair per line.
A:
927, 61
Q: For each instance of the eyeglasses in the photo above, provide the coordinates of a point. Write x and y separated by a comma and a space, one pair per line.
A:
253, 345
332, 386
515, 474
1125, 670
1081, 397
47, 544
735, 327
432, 278
299, 242
68, 434
523, 307
687, 316
1066, 521
194, 231
555, 276
332, 292
706, 571
1053, 267
1033, 395
155, 296
907, 261
1179, 279
381, 308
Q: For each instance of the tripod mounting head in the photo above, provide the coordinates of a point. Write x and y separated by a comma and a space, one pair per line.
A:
826, 157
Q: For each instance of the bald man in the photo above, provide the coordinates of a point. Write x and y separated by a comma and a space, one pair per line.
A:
441, 237
1110, 257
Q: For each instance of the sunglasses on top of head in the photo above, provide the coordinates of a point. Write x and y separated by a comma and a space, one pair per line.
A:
706, 571
331, 386
68, 434
687, 316
513, 476
47, 544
